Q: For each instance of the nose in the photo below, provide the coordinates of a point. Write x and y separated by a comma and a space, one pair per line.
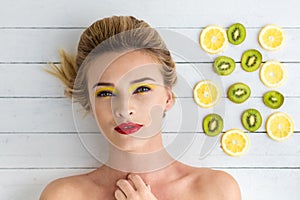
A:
124, 113
122, 109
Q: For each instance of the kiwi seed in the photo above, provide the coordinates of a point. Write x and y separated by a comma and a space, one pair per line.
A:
224, 65
238, 92
273, 99
251, 119
236, 33
251, 60
212, 124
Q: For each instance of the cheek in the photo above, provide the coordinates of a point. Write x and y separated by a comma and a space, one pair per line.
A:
150, 107
103, 110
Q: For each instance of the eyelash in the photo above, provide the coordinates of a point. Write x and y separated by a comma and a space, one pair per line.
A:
105, 93
139, 90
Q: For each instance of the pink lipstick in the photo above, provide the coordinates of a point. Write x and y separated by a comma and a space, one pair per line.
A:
128, 128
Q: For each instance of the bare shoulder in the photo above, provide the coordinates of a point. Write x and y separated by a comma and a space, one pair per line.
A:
216, 184
74, 188
225, 184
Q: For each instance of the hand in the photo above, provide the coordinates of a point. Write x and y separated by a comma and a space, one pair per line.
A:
139, 190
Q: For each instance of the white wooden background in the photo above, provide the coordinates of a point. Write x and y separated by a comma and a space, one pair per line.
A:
38, 140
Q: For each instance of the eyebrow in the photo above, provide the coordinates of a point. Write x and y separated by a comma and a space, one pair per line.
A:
135, 81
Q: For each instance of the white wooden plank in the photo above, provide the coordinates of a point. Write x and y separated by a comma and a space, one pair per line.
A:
36, 49
288, 53
69, 151
268, 184
276, 184
41, 45
167, 13
55, 115
263, 152
44, 150
29, 80
192, 73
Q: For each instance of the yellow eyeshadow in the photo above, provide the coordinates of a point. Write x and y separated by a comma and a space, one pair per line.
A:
107, 88
135, 86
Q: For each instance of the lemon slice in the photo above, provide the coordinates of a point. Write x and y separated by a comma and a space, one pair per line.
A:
235, 142
213, 39
279, 126
206, 93
271, 37
272, 73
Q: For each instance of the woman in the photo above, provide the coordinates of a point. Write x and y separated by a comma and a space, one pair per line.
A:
123, 76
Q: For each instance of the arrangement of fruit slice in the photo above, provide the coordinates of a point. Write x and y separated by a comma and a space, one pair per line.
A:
271, 37
213, 39
251, 60
236, 34
238, 92
235, 142
251, 119
279, 126
212, 124
272, 73
206, 93
224, 65
273, 99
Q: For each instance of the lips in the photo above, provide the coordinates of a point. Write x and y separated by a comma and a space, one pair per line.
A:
128, 128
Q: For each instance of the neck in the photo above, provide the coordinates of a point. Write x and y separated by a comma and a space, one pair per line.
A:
158, 177
151, 156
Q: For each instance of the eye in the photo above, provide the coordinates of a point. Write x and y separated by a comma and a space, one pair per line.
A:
105, 94
142, 89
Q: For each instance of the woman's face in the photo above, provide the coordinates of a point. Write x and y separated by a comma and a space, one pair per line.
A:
129, 99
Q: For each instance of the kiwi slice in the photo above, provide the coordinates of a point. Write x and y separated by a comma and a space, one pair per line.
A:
236, 33
224, 65
212, 124
251, 60
273, 99
251, 119
238, 92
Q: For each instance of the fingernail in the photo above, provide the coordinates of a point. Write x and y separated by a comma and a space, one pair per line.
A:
149, 187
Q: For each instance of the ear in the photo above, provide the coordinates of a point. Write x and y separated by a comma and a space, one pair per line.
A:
169, 100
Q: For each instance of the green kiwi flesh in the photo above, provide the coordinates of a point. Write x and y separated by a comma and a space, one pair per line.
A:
238, 92
236, 34
212, 124
251, 60
224, 65
251, 119
273, 99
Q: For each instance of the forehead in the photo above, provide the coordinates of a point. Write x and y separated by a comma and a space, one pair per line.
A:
114, 68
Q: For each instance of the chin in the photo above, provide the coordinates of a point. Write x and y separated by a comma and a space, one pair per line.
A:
129, 145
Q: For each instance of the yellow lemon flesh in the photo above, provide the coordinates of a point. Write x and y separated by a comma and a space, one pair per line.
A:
235, 142
279, 126
213, 39
272, 73
206, 93
271, 37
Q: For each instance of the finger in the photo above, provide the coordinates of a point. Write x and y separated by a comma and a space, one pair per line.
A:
126, 188
119, 195
148, 186
138, 182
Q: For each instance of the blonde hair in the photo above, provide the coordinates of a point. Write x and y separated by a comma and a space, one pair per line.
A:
97, 33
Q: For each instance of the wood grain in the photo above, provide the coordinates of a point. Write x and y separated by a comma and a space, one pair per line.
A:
38, 137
